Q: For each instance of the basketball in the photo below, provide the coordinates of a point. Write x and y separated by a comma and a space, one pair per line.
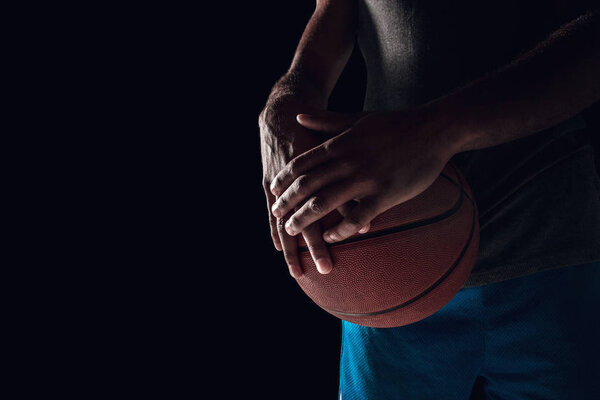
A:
414, 259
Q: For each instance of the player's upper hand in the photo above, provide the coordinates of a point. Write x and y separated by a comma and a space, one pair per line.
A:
384, 159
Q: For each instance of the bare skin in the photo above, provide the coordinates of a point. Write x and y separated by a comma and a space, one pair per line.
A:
383, 159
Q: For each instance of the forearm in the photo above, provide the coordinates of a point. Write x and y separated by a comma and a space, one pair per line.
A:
557, 79
299, 86
321, 55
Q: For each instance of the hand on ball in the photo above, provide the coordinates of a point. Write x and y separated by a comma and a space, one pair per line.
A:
382, 160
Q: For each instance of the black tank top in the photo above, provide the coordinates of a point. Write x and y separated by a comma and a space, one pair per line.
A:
538, 197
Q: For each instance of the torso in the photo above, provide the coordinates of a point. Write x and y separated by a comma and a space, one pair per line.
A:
417, 50
528, 191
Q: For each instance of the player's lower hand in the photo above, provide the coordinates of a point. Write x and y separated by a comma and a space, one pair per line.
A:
283, 138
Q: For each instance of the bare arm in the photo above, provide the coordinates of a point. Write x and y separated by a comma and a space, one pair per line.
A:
321, 54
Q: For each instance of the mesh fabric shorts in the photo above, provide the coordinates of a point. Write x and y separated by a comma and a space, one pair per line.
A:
533, 337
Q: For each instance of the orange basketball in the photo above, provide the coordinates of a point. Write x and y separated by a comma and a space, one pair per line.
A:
413, 260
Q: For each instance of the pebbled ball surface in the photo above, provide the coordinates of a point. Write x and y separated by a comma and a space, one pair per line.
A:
411, 263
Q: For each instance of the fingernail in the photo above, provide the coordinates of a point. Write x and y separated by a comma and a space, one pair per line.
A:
328, 237
276, 212
364, 229
323, 265
289, 229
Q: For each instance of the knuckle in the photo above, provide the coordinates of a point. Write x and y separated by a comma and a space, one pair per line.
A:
293, 167
273, 225
317, 205
302, 183
294, 221
315, 247
282, 201
281, 225
355, 221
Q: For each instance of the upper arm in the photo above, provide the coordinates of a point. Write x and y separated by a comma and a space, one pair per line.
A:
327, 43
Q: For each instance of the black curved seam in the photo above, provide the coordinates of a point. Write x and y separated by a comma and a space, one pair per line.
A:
426, 291
459, 186
417, 224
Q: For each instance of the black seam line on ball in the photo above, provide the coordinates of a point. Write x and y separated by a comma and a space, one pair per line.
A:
426, 291
459, 186
405, 227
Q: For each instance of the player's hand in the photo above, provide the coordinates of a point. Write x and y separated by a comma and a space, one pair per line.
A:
282, 138
384, 159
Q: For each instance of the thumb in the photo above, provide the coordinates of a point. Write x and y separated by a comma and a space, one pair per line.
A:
329, 122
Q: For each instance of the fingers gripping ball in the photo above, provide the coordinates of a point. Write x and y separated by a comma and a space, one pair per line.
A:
413, 260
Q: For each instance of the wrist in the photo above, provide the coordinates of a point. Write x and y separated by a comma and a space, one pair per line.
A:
298, 87
281, 110
447, 125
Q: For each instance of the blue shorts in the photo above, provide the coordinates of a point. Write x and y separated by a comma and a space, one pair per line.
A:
533, 337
